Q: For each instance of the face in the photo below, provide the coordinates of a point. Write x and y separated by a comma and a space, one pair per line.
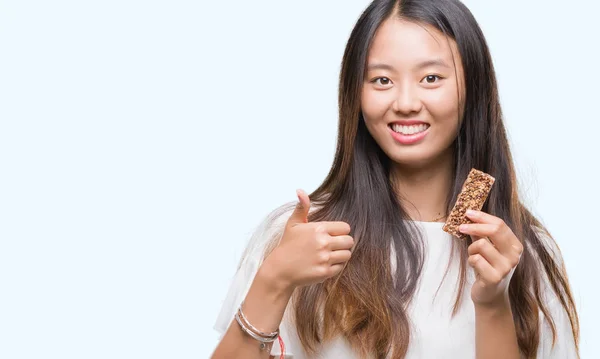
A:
412, 94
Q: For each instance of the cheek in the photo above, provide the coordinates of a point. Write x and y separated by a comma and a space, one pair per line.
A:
443, 106
374, 105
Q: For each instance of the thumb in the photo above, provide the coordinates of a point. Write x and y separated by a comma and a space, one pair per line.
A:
300, 214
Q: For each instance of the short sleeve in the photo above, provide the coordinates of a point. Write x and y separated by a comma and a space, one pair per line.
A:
564, 345
266, 234
237, 291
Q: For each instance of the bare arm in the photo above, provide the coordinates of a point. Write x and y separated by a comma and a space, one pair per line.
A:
495, 334
494, 255
307, 253
264, 307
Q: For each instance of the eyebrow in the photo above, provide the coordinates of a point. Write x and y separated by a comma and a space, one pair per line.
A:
434, 62
377, 66
421, 65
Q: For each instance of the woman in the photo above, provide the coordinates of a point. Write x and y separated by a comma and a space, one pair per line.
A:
362, 267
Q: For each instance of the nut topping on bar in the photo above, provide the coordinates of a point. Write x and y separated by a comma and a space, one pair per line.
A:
473, 195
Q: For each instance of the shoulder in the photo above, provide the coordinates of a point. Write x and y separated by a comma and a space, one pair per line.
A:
266, 235
549, 243
546, 253
546, 250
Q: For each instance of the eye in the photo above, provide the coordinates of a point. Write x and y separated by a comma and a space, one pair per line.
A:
383, 81
431, 79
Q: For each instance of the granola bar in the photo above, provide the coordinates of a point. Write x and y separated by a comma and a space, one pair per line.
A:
473, 195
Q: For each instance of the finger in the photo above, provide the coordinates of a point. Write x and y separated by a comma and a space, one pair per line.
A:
518, 249
336, 269
482, 217
490, 253
300, 214
500, 235
484, 269
475, 238
341, 242
339, 257
334, 228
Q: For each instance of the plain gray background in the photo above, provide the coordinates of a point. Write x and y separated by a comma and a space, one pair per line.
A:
142, 141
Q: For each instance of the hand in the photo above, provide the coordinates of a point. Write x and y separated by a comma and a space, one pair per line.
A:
494, 255
309, 253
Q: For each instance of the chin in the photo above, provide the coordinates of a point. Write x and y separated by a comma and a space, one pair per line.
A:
418, 159
411, 162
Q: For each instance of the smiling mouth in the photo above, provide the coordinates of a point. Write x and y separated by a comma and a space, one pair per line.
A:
409, 130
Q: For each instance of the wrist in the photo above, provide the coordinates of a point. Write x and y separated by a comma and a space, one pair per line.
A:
268, 278
498, 307
266, 301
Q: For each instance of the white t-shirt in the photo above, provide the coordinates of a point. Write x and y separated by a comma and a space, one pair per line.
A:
435, 333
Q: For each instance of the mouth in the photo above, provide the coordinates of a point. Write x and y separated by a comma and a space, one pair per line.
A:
409, 134
409, 130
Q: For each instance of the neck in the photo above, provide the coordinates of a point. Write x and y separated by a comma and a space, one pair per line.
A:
424, 190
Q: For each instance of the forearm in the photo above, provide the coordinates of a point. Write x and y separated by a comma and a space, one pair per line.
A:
264, 307
495, 333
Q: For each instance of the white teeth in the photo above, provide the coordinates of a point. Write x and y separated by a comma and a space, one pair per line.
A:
409, 130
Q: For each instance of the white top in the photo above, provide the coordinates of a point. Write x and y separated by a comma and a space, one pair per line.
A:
435, 333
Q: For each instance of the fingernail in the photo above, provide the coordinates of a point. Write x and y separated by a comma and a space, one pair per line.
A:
471, 213
463, 227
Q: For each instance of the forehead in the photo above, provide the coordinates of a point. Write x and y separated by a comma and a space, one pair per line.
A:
402, 43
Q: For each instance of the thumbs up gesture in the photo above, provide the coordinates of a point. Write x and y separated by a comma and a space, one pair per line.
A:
309, 253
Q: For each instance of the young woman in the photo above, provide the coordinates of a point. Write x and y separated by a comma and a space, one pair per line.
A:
361, 268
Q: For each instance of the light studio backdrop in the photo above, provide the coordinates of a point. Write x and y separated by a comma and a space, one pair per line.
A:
142, 141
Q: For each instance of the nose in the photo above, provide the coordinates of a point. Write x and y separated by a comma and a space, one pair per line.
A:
407, 101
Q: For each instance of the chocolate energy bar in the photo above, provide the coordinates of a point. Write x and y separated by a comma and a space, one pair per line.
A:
473, 194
